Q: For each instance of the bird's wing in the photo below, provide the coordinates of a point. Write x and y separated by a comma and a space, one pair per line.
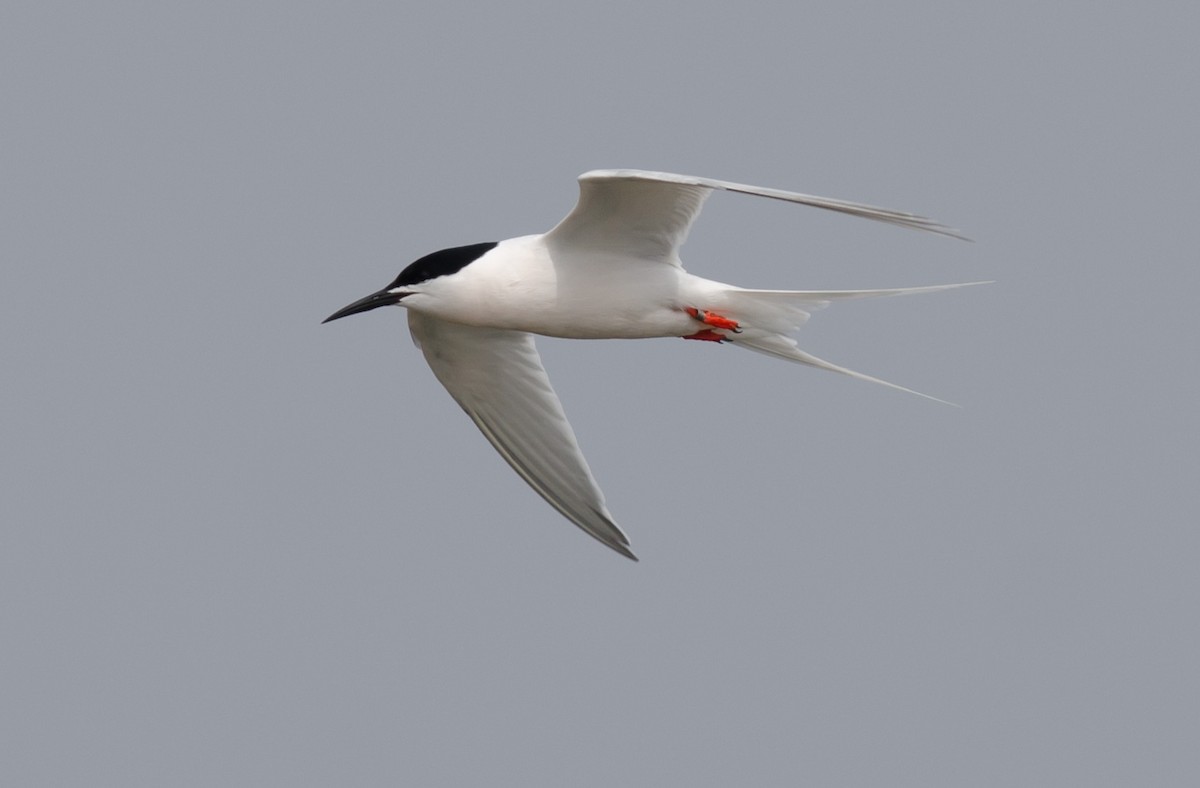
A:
647, 214
498, 379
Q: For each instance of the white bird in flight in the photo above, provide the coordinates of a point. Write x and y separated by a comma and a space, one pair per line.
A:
609, 270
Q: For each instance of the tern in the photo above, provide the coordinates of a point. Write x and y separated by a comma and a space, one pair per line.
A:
609, 270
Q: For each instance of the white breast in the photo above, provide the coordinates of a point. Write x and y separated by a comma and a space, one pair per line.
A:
519, 285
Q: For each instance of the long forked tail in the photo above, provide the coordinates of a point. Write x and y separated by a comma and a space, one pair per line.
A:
768, 318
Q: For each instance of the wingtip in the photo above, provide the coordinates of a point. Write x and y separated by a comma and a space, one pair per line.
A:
950, 232
623, 549
924, 223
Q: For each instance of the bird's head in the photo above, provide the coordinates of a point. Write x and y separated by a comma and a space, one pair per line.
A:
412, 279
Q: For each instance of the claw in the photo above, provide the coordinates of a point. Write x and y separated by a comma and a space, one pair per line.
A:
714, 320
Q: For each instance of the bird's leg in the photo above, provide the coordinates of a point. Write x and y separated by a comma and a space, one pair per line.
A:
714, 320
708, 335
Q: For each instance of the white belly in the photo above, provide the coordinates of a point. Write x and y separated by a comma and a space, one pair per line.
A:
519, 287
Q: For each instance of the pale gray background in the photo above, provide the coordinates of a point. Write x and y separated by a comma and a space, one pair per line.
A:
241, 548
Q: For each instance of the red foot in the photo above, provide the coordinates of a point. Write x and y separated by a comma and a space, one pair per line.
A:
714, 320
708, 336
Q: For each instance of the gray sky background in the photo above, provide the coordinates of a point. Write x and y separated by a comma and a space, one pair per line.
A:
241, 548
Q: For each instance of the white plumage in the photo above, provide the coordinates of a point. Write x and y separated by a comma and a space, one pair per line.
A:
609, 270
